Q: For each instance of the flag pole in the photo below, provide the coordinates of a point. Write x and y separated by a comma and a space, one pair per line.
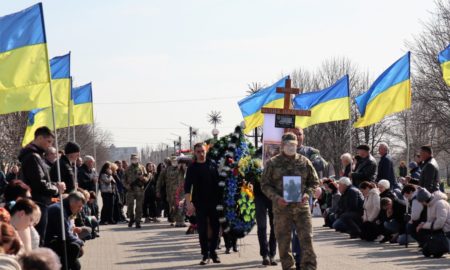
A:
349, 116
68, 105
58, 168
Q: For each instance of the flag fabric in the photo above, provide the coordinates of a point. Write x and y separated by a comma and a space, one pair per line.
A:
61, 80
61, 89
327, 105
267, 97
390, 93
444, 60
83, 107
24, 66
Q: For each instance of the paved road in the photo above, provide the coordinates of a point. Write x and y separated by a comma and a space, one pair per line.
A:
159, 246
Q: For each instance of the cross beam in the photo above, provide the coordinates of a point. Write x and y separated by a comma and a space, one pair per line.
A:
287, 108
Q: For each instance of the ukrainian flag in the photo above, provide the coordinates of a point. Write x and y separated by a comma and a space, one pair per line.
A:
444, 60
61, 86
83, 107
267, 97
24, 68
389, 94
327, 105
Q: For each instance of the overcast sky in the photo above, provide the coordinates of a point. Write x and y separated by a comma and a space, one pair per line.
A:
142, 54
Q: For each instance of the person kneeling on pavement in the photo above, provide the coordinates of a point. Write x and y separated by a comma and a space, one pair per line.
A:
72, 205
350, 209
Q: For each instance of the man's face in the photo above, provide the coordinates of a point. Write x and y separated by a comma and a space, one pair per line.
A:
299, 134
76, 206
424, 155
362, 153
200, 153
44, 142
382, 150
134, 161
342, 188
73, 157
51, 156
90, 164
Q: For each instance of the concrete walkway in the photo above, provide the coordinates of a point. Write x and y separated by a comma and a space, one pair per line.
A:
159, 246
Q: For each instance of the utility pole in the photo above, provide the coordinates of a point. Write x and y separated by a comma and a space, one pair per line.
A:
190, 137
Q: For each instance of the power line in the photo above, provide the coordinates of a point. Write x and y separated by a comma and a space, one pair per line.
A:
165, 101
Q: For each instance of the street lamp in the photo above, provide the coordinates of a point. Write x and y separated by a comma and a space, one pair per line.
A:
215, 133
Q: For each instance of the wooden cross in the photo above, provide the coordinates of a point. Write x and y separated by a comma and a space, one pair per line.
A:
287, 108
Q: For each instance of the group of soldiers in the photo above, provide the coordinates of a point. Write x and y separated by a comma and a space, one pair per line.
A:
170, 180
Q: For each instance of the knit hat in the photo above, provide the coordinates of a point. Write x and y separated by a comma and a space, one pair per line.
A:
363, 147
423, 195
71, 147
412, 165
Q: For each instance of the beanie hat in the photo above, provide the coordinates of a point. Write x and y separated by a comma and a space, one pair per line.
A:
71, 147
423, 195
384, 183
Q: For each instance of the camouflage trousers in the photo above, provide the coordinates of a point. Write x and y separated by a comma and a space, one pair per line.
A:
175, 213
300, 218
138, 195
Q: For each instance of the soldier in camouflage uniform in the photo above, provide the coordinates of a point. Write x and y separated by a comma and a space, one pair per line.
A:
135, 179
286, 215
173, 178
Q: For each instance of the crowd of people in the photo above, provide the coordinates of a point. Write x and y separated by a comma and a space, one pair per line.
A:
369, 200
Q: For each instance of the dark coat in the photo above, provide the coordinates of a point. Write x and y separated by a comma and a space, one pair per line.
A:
352, 200
402, 171
366, 169
429, 178
386, 170
54, 224
86, 178
67, 174
35, 173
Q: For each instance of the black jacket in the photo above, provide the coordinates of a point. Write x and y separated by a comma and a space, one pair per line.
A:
67, 174
351, 200
54, 224
386, 170
429, 178
366, 169
202, 182
35, 173
86, 178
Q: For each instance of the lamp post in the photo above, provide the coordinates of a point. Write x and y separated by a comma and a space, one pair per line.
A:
215, 133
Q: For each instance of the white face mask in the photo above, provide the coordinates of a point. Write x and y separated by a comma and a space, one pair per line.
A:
290, 149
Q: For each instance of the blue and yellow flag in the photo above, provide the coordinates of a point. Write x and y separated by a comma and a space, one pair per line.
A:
24, 68
267, 97
327, 105
83, 107
390, 93
444, 60
61, 86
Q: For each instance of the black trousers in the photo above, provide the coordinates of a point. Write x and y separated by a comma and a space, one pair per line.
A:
149, 208
73, 253
41, 227
208, 216
263, 208
108, 207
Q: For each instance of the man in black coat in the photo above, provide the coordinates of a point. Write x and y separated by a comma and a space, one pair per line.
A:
429, 178
66, 162
87, 176
350, 209
72, 205
366, 166
35, 173
202, 180
386, 166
